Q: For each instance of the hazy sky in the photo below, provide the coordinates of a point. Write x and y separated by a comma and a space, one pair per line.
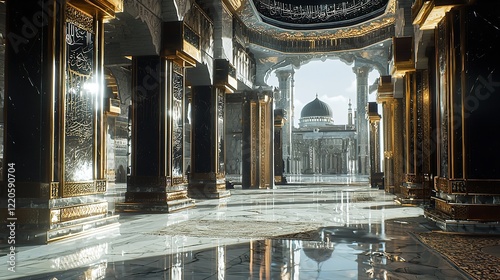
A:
333, 81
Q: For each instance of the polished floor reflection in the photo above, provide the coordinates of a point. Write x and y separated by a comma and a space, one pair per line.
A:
344, 231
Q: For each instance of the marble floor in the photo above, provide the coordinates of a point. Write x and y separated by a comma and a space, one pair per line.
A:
342, 229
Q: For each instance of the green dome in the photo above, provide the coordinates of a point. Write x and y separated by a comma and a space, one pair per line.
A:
316, 108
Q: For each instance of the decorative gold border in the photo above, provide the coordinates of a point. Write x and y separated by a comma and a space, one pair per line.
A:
83, 211
101, 186
71, 189
177, 68
78, 188
80, 19
54, 189
179, 180
253, 144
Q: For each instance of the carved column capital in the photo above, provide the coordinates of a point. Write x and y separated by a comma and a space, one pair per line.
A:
285, 73
362, 71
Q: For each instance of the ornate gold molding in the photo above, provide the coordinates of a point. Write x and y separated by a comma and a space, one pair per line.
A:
179, 181
54, 189
101, 186
388, 154
70, 189
80, 19
177, 68
83, 211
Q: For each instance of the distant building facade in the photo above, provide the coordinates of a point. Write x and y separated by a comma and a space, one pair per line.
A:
319, 145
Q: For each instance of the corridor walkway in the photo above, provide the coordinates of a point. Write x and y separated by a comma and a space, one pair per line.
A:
331, 231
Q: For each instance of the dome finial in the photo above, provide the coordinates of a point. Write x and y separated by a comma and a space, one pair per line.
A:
316, 95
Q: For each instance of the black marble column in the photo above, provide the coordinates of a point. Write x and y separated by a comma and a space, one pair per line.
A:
53, 121
467, 102
157, 182
207, 178
376, 177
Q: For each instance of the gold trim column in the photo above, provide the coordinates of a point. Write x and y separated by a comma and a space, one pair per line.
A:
257, 150
467, 101
385, 97
376, 177
157, 182
398, 135
55, 125
207, 177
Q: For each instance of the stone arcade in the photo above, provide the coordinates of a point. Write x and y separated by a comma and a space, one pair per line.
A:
168, 97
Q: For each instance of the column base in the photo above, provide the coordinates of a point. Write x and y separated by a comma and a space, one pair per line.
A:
211, 189
377, 180
154, 195
410, 201
448, 224
56, 222
389, 189
79, 229
155, 202
414, 191
280, 180
167, 207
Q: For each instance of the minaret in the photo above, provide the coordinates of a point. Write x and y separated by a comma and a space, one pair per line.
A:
349, 114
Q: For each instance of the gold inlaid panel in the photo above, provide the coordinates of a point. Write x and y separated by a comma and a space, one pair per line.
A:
54, 189
80, 19
178, 68
176, 195
443, 207
441, 184
253, 144
82, 211
55, 216
101, 186
71, 189
179, 180
263, 145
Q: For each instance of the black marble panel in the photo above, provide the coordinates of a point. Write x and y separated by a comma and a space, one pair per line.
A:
278, 153
29, 71
203, 139
80, 100
483, 91
456, 91
441, 50
147, 103
419, 98
178, 125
